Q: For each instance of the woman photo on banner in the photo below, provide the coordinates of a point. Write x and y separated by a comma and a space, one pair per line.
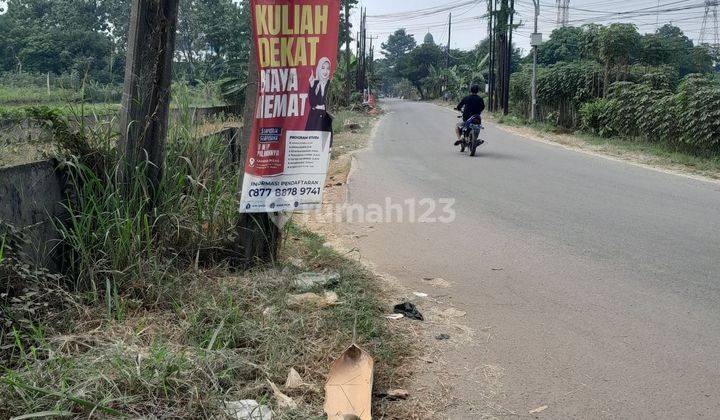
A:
319, 119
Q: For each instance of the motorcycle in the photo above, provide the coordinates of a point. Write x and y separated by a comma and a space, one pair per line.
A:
470, 134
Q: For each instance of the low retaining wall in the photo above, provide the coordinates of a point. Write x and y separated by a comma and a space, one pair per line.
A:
32, 197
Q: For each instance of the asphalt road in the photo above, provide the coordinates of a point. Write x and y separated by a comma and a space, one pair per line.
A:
594, 285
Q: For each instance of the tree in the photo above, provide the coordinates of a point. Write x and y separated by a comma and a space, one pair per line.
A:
619, 46
54, 36
565, 44
416, 66
398, 45
343, 31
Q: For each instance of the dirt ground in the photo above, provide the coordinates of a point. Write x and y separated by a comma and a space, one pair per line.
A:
429, 393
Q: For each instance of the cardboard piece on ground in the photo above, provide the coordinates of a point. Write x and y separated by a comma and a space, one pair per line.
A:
348, 390
313, 299
283, 400
294, 380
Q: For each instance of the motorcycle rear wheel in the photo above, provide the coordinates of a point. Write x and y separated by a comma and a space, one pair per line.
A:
474, 143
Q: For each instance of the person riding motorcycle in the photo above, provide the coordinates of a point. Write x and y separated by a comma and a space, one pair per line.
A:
470, 105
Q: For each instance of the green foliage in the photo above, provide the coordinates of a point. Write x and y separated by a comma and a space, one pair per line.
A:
397, 46
698, 100
565, 44
89, 38
418, 64
689, 118
404, 89
211, 36
562, 88
592, 115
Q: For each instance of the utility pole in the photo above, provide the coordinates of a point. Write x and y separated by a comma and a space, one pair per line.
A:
508, 61
146, 92
535, 40
358, 59
491, 64
447, 59
371, 65
347, 52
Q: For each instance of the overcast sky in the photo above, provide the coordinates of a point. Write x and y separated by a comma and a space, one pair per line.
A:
470, 25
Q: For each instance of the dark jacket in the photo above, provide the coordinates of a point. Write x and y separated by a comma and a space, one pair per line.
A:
471, 105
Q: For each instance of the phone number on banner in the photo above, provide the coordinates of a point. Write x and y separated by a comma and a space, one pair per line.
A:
283, 192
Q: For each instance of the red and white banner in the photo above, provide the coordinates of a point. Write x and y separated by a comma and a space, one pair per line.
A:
296, 43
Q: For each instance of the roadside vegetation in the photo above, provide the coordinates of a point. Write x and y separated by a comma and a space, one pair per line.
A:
657, 92
619, 90
151, 318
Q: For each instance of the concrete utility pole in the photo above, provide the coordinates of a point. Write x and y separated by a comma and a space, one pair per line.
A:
447, 59
348, 88
508, 61
491, 64
535, 41
146, 94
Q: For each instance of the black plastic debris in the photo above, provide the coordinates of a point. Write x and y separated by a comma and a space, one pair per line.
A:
408, 310
442, 337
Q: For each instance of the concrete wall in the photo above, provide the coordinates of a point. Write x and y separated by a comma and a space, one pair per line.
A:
30, 199
32, 196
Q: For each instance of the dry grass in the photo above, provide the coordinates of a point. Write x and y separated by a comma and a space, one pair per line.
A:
220, 340
162, 334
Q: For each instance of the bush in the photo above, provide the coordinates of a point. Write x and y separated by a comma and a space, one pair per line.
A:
690, 117
698, 100
592, 115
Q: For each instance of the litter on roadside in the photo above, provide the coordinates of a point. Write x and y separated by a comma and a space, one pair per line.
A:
348, 391
442, 337
247, 410
307, 281
395, 317
283, 401
396, 394
538, 410
420, 294
294, 380
313, 299
408, 310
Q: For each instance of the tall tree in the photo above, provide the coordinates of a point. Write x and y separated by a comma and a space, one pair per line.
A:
619, 46
417, 65
398, 45
565, 44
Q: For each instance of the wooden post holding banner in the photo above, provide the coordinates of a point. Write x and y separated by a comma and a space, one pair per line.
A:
258, 237
288, 127
146, 94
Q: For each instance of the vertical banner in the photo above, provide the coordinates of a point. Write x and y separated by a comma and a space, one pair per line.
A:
296, 43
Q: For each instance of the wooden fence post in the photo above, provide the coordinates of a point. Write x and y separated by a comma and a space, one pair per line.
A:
258, 236
146, 94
